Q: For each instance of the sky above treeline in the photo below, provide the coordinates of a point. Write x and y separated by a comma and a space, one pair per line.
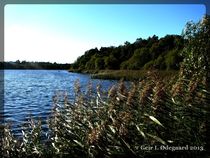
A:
62, 33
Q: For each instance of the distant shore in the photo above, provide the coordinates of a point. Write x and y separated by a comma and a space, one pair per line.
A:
34, 65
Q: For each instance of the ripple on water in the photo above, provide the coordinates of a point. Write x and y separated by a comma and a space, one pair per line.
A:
29, 93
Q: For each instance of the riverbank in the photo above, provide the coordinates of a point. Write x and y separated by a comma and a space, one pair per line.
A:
125, 74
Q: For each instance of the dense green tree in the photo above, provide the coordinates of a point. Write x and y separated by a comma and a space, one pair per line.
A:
90, 65
159, 63
173, 59
149, 65
152, 40
111, 62
140, 57
99, 63
152, 52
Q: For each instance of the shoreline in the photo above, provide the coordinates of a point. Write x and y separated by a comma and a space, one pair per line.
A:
125, 74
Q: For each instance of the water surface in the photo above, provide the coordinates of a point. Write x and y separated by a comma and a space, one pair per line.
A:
30, 92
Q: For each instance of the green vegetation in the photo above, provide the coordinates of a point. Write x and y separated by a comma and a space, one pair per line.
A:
162, 54
131, 75
33, 65
122, 122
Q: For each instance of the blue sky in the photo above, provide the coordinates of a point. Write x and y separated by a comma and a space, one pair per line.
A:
61, 33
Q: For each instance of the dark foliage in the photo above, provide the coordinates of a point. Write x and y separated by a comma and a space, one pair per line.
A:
33, 65
163, 53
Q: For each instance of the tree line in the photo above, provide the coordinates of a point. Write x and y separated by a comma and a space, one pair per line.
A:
33, 65
153, 52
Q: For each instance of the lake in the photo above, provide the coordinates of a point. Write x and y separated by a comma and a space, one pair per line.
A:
30, 92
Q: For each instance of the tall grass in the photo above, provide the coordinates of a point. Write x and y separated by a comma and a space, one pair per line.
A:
122, 122
129, 74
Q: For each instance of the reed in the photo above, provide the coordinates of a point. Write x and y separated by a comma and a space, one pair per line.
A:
131, 75
121, 123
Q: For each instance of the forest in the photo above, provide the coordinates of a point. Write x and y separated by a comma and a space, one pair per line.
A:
151, 53
33, 65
